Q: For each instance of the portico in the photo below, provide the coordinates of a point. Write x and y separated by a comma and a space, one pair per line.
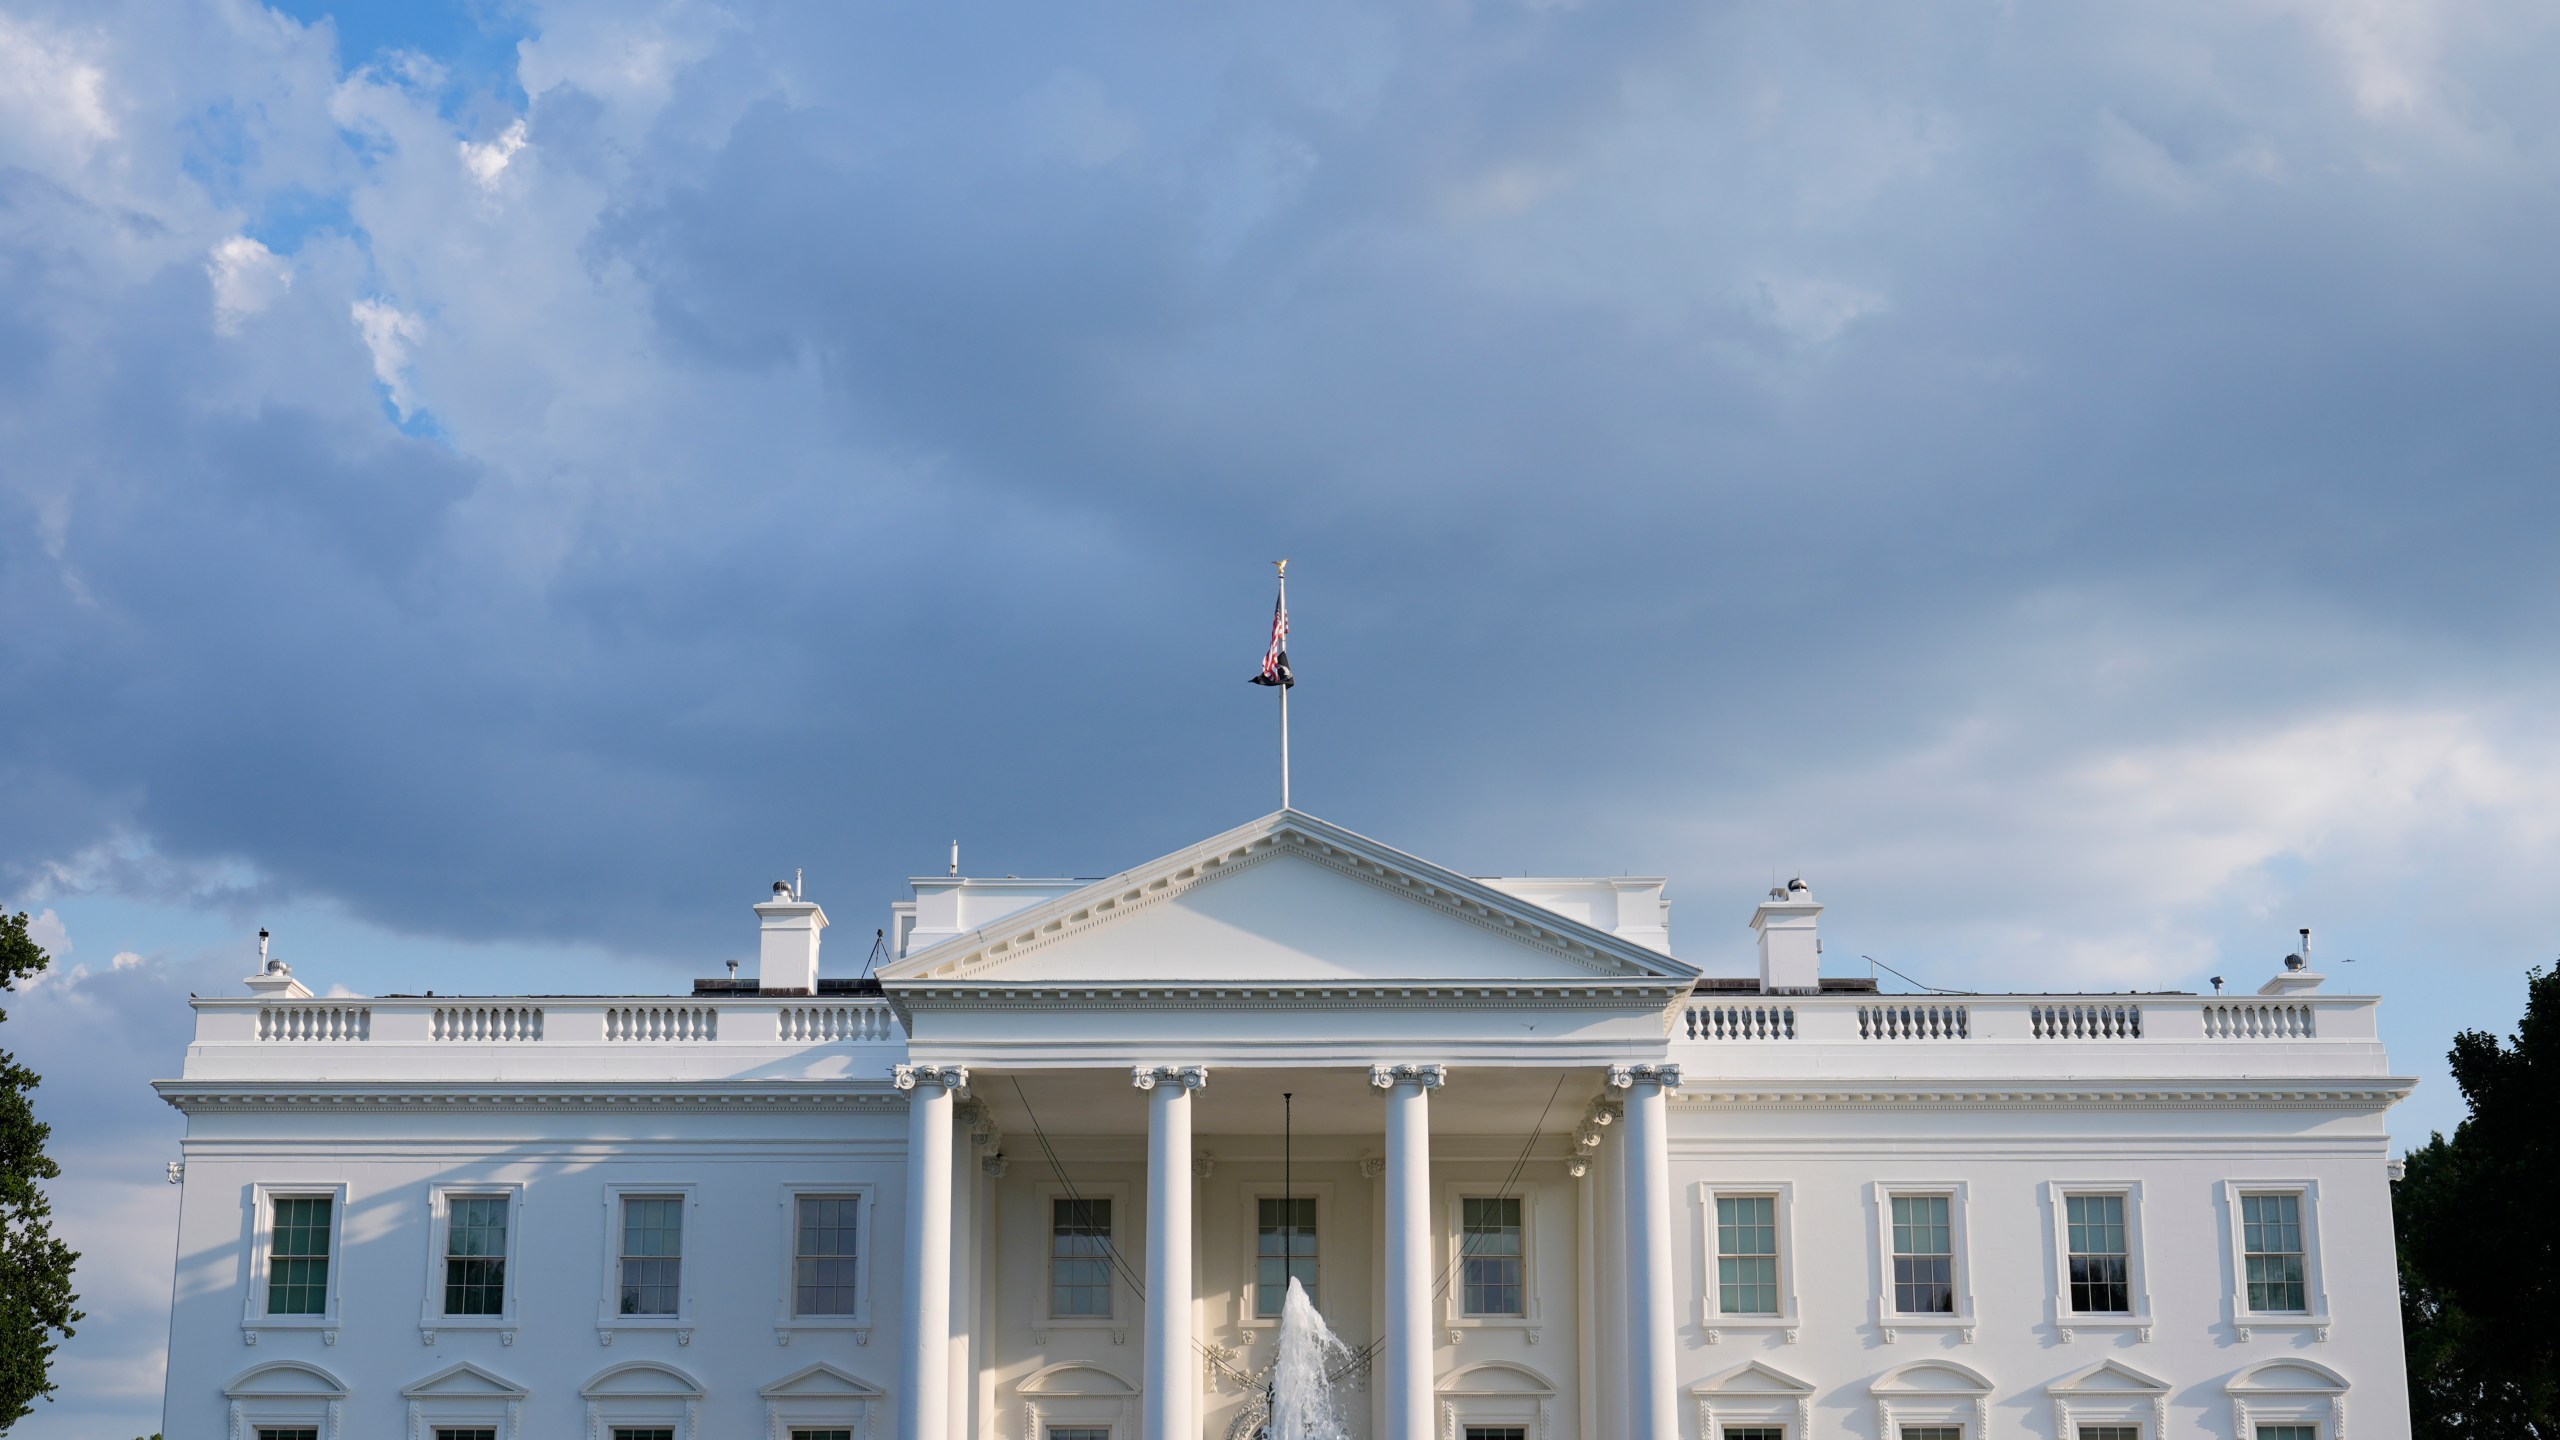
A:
1457, 1058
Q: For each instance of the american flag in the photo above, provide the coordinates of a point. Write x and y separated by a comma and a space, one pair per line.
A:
1275, 661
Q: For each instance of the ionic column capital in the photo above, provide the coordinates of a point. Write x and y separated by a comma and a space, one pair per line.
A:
1189, 1077
951, 1079
1388, 1077
1626, 1077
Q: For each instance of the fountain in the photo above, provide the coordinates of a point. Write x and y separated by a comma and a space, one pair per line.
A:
1294, 1397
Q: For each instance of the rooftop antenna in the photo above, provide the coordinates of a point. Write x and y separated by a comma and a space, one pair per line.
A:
955, 857
797, 874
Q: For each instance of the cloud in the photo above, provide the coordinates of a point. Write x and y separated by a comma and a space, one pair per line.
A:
487, 162
55, 98
389, 333
247, 278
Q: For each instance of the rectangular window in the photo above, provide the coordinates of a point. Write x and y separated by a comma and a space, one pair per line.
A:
2110, 1432
1490, 1252
298, 1256
1932, 1432
2271, 1240
266, 1432
643, 1432
1078, 1432
475, 1255
1747, 1254
652, 1256
1924, 1257
1755, 1432
483, 1432
821, 1435
1497, 1432
823, 1258
1079, 1259
2288, 1432
2101, 1259
1285, 1250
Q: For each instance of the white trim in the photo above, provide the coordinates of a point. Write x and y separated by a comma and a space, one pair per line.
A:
1711, 1304
1113, 1409
853, 1403
1966, 1405
498, 1408
1124, 1216
319, 1402
1453, 1309
254, 1318
1880, 1195
2315, 1288
677, 1405
609, 1316
2067, 1321
1531, 1406
1755, 1393
1247, 1289
2131, 1398
787, 1320
431, 1313
2264, 1395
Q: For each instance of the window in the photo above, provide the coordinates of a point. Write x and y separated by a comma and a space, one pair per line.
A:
1079, 1258
2110, 1432
2288, 1432
1932, 1432
1747, 1254
475, 1256
644, 1432
1497, 1432
1285, 1250
824, 1254
2101, 1258
652, 1264
268, 1432
1755, 1432
1491, 1257
482, 1432
1078, 1432
1924, 1263
2271, 1244
298, 1256
821, 1435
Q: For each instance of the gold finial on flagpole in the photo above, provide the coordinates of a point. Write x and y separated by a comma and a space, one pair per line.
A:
1282, 566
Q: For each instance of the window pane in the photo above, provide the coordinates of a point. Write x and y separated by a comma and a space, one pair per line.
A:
823, 1258
269, 1433
1924, 1267
484, 1432
1755, 1432
626, 1432
475, 1250
2110, 1432
821, 1435
298, 1256
2288, 1432
1932, 1432
2101, 1259
2271, 1238
1285, 1247
1747, 1254
1078, 1432
1491, 1255
1080, 1259
1497, 1432
652, 1254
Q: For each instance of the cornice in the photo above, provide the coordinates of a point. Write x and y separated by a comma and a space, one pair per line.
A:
1418, 881
1325, 995
2379, 1093
199, 1095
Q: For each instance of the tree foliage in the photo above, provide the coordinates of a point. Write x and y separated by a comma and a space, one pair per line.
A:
36, 1304
2479, 1254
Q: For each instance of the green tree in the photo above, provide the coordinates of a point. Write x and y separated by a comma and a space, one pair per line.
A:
2479, 1253
36, 1303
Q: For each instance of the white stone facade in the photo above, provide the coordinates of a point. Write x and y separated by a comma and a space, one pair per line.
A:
1524, 1057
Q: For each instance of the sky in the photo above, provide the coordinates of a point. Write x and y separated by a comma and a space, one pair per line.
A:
487, 487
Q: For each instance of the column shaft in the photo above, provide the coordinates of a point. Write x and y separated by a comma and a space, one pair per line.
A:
1652, 1353
1410, 1367
1169, 1389
924, 1366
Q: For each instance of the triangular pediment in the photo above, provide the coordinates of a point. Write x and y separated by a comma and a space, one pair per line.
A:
1289, 899
464, 1380
2110, 1377
1754, 1378
821, 1381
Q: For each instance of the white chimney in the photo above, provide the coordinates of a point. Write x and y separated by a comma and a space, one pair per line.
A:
788, 959
1790, 950
274, 980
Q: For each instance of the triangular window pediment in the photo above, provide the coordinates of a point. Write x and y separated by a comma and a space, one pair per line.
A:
1754, 1379
1289, 901
463, 1381
2110, 1378
820, 1382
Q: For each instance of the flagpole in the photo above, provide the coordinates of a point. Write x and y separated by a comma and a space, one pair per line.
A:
1284, 698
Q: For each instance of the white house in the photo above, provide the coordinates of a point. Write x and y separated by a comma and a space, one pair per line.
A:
1046, 1179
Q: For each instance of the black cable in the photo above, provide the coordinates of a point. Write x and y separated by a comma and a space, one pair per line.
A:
1457, 1245
1110, 1246
1907, 980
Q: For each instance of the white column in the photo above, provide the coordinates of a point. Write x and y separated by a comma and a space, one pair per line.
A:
1652, 1351
924, 1365
1411, 1373
1171, 1390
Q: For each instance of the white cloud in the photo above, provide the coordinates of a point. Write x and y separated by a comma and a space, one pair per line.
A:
46, 929
52, 100
487, 162
247, 278
1815, 311
389, 332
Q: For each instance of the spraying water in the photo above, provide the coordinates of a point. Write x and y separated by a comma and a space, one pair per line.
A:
1302, 1402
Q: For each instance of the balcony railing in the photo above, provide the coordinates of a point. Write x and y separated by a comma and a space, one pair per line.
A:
2092, 1019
